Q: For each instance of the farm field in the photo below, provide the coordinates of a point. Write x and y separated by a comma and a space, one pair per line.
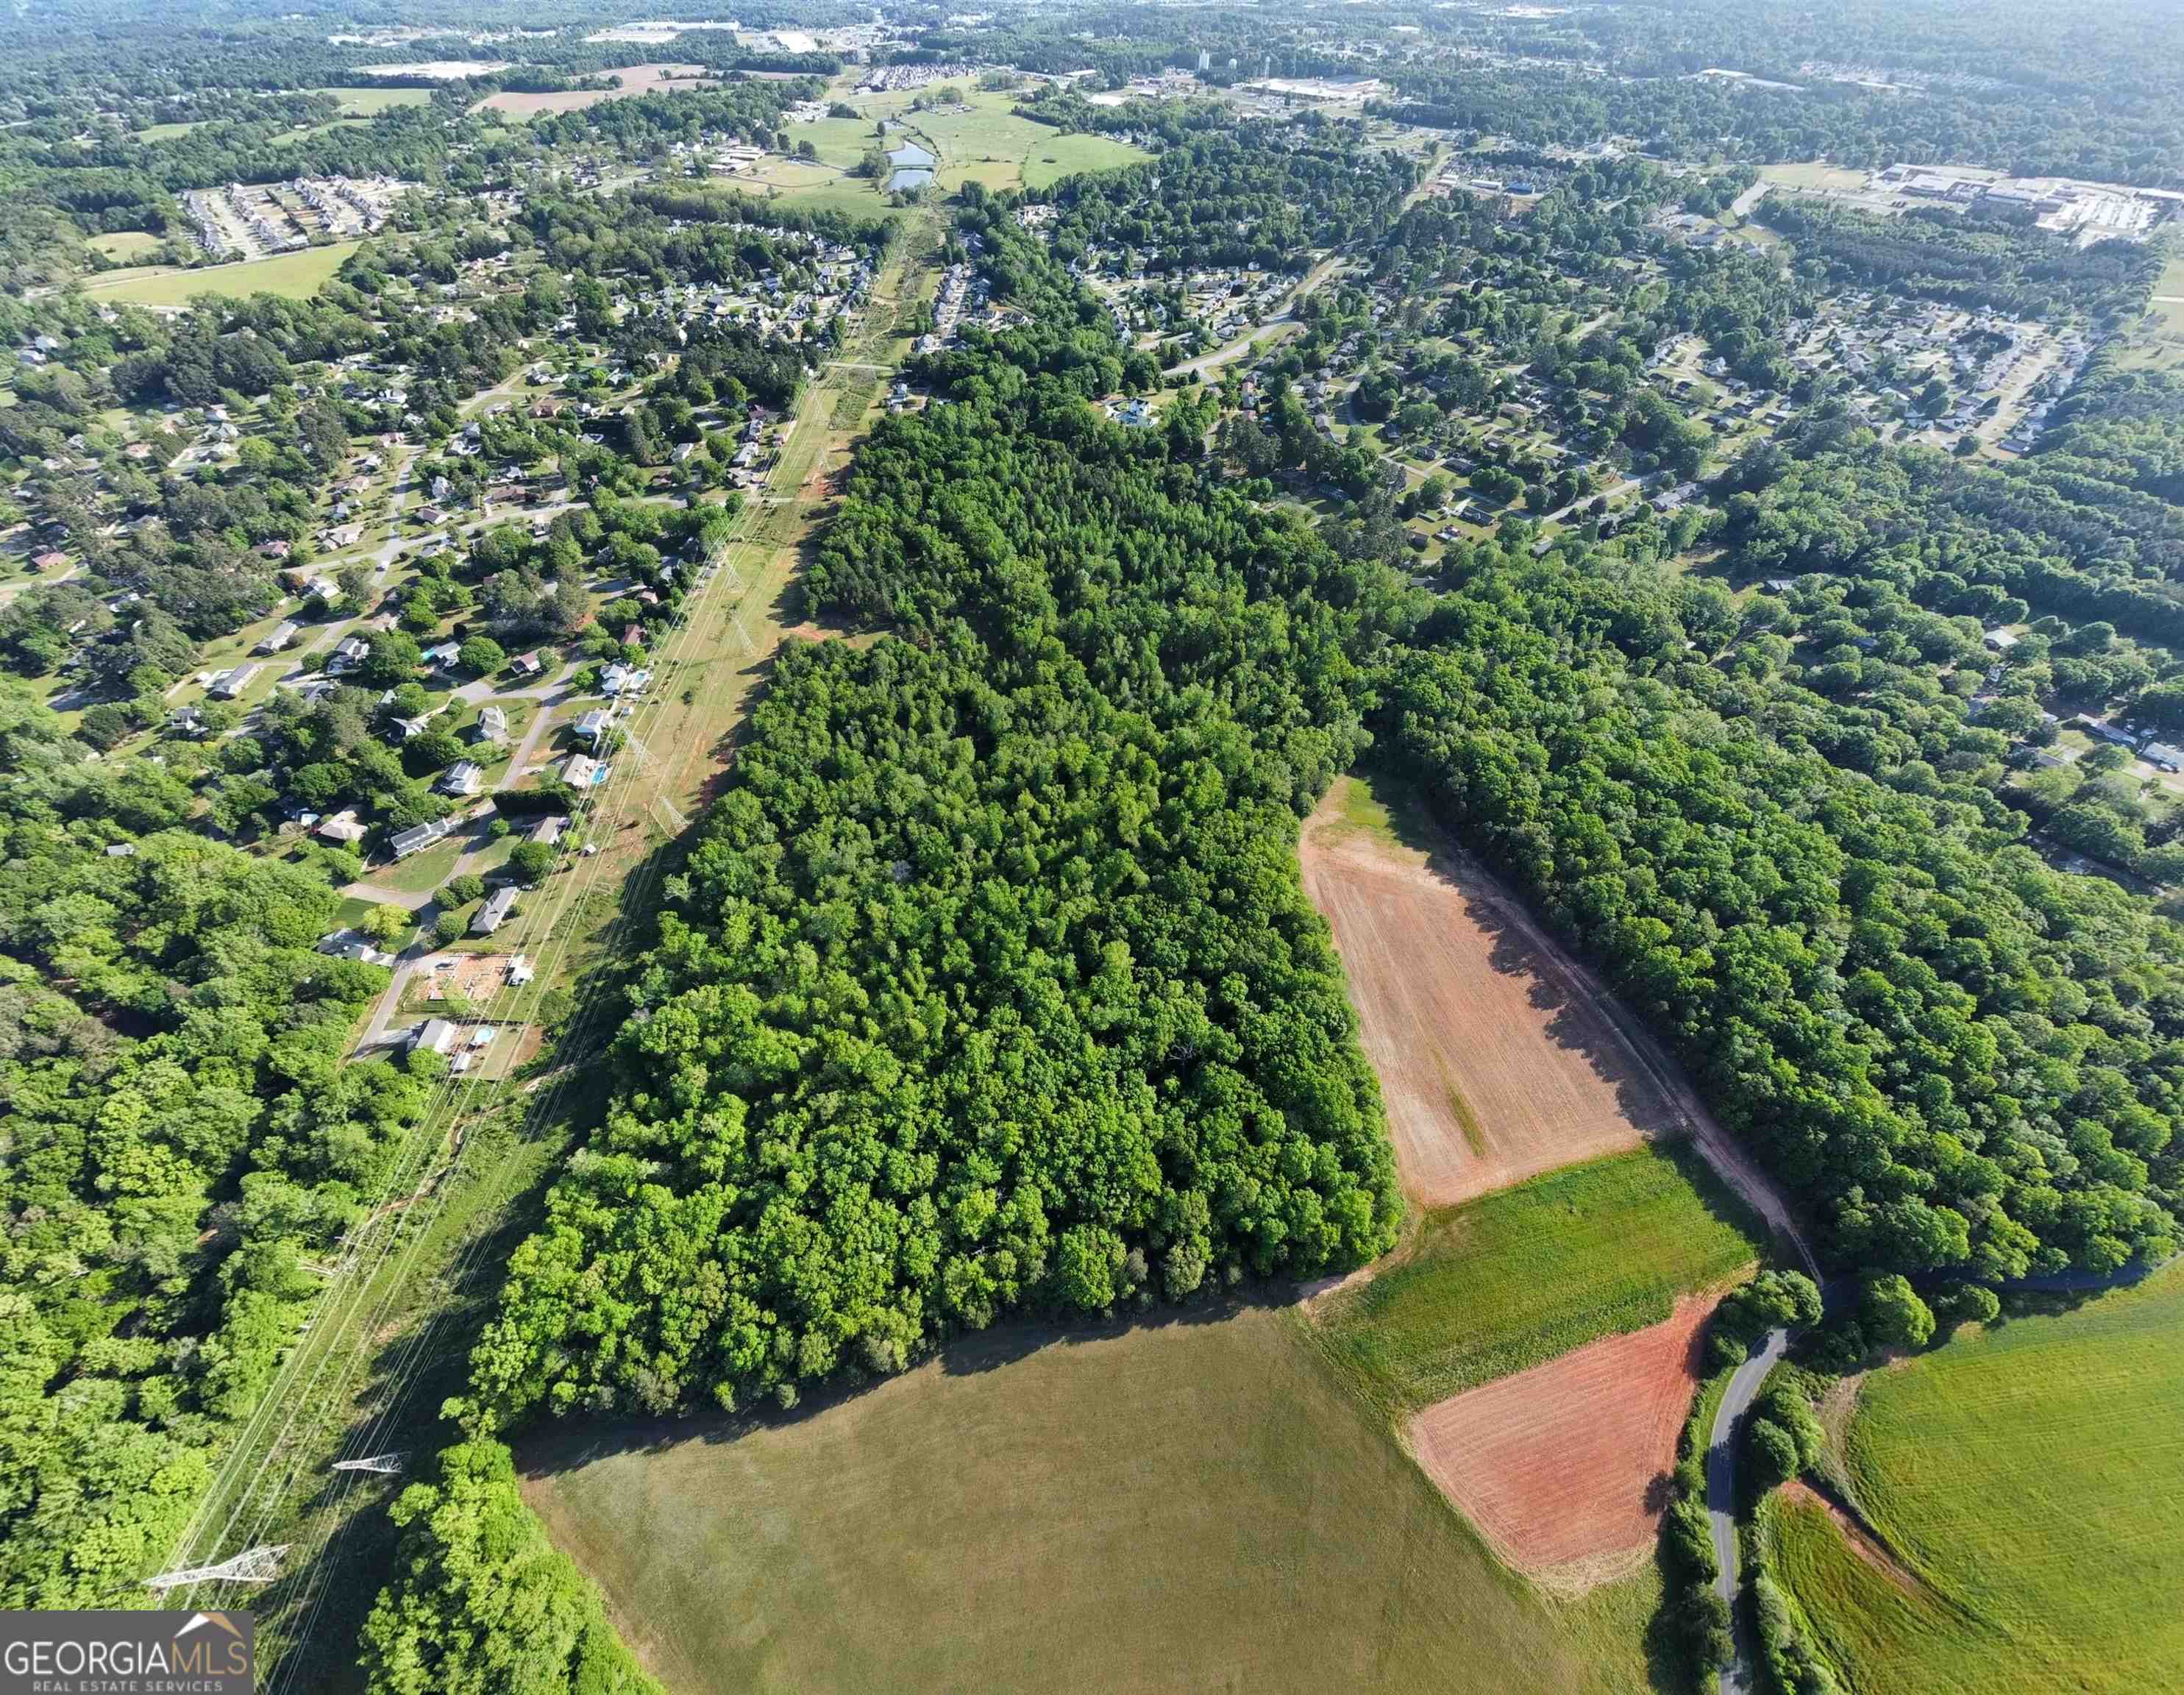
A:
294, 276
1557, 1466
1497, 1057
1050, 161
636, 79
1192, 1506
2032, 1476
1514, 1279
370, 102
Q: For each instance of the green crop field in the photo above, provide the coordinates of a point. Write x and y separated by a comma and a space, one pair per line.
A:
1059, 156
1515, 1278
1192, 1506
294, 276
367, 102
2033, 1476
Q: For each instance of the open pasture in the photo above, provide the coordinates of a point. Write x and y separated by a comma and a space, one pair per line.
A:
2031, 1475
370, 102
636, 79
294, 276
1059, 156
1195, 1505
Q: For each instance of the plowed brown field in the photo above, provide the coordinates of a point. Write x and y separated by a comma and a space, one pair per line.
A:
1496, 1058
1562, 1467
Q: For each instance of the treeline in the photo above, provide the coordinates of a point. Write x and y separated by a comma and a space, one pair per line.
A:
1963, 1060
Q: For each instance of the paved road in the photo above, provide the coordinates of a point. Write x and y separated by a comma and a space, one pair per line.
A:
1722, 1444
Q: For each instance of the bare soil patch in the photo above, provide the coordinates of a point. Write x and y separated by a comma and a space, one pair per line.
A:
1496, 1057
1565, 1468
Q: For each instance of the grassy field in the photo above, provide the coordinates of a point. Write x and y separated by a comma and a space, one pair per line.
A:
367, 102
294, 276
2033, 1475
164, 132
124, 245
1517, 1278
1059, 156
1193, 1506
1815, 173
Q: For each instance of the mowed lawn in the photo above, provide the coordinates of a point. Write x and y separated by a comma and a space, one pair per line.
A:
1521, 1276
1192, 1506
294, 275
2033, 1475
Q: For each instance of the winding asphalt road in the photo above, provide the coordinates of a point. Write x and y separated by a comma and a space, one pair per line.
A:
1737, 1678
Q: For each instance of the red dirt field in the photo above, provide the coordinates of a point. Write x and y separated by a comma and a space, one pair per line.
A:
1562, 1468
1496, 1059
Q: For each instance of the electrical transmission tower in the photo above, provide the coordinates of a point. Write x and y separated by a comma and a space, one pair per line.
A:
252, 1565
385, 1464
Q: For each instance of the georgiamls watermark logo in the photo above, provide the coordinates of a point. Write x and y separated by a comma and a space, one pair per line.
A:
126, 1653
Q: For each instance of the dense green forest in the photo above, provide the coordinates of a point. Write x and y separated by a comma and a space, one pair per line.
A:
1253, 194
995, 942
183, 1131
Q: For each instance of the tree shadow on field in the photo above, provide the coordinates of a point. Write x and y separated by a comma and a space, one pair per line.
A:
1584, 1019
577, 1439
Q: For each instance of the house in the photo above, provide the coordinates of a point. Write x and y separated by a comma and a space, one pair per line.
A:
526, 664
51, 560
492, 725
275, 548
280, 636
466, 777
619, 680
2162, 756
343, 828
592, 726
229, 684
418, 837
348, 944
442, 653
351, 653
2001, 640
581, 771
495, 911
185, 721
521, 971
549, 829
436, 1035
